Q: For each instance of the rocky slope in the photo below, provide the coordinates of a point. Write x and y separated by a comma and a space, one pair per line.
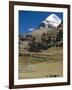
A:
43, 37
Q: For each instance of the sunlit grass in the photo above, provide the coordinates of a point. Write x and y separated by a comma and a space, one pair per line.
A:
41, 66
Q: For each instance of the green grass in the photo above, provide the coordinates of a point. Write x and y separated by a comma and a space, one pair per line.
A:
47, 63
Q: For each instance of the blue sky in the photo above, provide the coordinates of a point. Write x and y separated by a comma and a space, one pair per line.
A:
28, 20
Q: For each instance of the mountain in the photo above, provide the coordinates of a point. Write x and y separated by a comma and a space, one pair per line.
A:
51, 21
49, 34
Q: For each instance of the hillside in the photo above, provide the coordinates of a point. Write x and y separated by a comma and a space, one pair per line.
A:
41, 39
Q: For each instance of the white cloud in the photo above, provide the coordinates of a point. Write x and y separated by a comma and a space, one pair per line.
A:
31, 29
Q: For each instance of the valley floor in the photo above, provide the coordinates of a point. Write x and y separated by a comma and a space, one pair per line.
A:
48, 63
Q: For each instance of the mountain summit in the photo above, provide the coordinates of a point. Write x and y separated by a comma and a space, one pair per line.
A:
49, 34
52, 21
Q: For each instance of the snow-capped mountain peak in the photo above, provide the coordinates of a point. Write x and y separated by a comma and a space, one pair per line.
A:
52, 21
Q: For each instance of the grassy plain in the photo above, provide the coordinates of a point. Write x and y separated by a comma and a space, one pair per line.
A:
48, 63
